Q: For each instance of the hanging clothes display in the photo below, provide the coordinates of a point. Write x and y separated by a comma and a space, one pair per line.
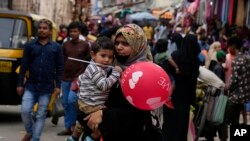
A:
220, 7
208, 11
223, 11
230, 12
215, 7
248, 14
201, 13
226, 10
234, 11
240, 13
193, 7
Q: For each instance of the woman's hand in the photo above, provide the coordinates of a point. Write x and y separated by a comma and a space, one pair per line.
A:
118, 68
94, 119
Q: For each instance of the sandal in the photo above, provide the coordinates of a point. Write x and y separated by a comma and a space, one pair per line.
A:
27, 137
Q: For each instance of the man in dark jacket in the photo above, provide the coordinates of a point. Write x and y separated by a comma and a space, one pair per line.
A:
44, 61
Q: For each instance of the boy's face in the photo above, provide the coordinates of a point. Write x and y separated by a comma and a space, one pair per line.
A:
74, 33
223, 60
232, 50
103, 56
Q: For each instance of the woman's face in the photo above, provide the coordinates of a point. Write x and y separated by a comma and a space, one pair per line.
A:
122, 47
217, 48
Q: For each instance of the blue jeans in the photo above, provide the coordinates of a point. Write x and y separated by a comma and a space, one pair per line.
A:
69, 103
28, 101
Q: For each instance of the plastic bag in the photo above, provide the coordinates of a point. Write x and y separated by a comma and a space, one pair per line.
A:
217, 115
57, 110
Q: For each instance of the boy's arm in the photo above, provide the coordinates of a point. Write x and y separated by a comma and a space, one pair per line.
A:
171, 61
105, 83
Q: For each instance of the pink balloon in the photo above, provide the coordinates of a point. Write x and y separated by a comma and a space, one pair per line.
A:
145, 85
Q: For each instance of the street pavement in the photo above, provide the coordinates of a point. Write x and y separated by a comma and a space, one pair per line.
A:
12, 129
11, 126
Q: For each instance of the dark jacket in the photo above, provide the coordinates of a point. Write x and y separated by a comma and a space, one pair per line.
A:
44, 63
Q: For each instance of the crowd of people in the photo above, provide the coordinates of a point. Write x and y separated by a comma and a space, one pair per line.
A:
96, 107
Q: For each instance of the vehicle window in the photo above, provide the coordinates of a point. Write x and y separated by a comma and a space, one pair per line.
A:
13, 33
35, 28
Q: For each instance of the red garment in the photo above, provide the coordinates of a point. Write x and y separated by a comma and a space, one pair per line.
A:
62, 34
230, 12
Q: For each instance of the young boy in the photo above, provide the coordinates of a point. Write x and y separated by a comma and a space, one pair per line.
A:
218, 68
94, 83
161, 55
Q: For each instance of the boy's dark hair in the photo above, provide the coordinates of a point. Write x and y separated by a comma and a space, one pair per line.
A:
235, 41
201, 31
62, 26
75, 25
161, 45
84, 29
102, 43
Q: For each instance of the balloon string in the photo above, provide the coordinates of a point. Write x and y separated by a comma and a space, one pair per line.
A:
89, 62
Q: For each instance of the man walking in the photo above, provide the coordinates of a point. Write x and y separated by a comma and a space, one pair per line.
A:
44, 61
239, 87
74, 48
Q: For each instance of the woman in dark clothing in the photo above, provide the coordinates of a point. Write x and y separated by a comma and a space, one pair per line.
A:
175, 44
175, 125
177, 39
120, 121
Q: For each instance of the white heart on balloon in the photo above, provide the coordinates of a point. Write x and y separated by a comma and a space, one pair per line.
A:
155, 102
130, 99
131, 84
136, 76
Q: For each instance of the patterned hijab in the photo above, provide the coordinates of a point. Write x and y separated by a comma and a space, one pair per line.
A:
212, 53
138, 42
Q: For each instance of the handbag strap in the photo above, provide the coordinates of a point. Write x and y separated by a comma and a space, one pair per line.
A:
156, 119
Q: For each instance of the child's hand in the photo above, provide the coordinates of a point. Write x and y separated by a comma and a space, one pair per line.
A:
118, 68
177, 70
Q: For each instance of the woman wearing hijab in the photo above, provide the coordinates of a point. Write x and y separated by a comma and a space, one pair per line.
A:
120, 121
211, 56
175, 124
